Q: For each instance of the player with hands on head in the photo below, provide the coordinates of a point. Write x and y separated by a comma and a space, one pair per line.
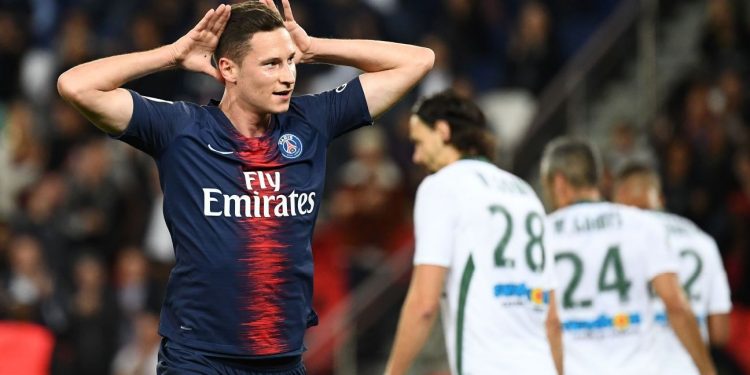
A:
700, 270
480, 253
606, 255
242, 177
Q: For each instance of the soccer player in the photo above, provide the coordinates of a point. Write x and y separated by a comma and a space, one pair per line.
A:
242, 178
479, 252
605, 257
700, 268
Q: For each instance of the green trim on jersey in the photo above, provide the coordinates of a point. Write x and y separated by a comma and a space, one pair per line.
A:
475, 157
462, 294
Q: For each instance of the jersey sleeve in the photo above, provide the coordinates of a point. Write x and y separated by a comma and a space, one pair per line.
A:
154, 123
658, 254
434, 224
338, 111
719, 301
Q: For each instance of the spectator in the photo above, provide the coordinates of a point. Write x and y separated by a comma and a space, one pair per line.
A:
68, 128
139, 355
22, 156
92, 203
13, 42
41, 218
677, 177
91, 339
76, 40
28, 284
135, 288
532, 55
724, 39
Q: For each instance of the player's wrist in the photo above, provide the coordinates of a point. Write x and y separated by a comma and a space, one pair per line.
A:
310, 53
174, 56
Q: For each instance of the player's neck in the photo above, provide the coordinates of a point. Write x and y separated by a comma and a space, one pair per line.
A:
248, 121
450, 155
580, 195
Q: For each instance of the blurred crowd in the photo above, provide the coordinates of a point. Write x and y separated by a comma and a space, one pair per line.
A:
700, 142
703, 139
85, 253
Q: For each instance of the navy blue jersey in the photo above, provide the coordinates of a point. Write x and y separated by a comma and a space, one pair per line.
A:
241, 213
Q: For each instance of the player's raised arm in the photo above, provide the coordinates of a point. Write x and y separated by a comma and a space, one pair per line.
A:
94, 87
391, 69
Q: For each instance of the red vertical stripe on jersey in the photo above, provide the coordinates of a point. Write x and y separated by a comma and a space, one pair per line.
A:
265, 263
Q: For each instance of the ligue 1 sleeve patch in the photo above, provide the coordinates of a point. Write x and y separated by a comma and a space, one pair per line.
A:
290, 146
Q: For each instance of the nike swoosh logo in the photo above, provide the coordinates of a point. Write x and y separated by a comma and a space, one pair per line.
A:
219, 152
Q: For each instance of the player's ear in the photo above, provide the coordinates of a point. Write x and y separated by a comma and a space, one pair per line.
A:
229, 70
442, 127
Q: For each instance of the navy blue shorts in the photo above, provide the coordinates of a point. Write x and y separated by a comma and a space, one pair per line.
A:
175, 359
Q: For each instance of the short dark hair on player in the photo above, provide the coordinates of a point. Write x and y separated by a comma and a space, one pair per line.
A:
470, 134
246, 19
635, 168
576, 159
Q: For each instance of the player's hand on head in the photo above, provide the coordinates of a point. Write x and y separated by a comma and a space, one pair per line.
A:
299, 35
193, 51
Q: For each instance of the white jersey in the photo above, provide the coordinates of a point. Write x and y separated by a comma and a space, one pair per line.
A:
705, 282
605, 256
486, 226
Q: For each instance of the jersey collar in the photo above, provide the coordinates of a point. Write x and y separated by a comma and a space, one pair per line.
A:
225, 123
476, 157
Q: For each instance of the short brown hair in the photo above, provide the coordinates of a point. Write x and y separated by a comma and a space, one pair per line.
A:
576, 159
635, 168
246, 19
470, 134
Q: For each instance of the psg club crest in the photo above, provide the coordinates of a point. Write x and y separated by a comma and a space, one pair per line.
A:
290, 146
